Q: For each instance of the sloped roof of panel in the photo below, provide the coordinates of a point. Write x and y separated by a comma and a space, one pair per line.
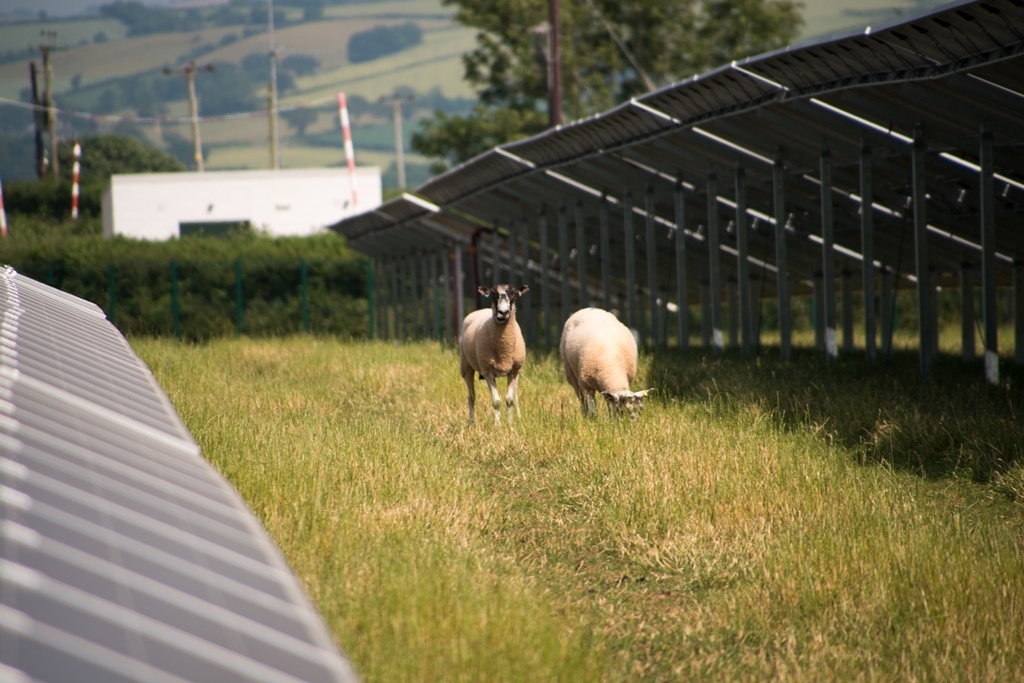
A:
125, 555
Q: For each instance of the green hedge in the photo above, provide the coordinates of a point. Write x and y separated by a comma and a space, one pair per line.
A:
142, 301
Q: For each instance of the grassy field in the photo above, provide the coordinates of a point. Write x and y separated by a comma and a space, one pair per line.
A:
760, 520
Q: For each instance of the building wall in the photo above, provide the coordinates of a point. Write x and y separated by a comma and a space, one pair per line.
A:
285, 202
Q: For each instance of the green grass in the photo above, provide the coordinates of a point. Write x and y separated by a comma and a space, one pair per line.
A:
759, 521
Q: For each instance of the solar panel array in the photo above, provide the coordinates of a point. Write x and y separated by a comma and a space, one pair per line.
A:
125, 555
948, 72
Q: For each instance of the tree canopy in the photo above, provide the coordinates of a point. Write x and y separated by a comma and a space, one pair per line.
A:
104, 155
611, 50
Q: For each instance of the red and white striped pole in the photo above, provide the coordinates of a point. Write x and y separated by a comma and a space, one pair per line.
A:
74, 181
350, 155
3, 213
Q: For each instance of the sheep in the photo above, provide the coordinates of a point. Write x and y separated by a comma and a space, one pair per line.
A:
599, 355
492, 346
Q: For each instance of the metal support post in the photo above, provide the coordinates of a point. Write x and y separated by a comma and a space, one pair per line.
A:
847, 298
682, 297
967, 348
435, 289
458, 292
924, 281
448, 268
414, 299
715, 259
545, 280
563, 264
495, 256
743, 264
405, 299
828, 261
705, 312
371, 300
785, 314
933, 311
652, 266
818, 311
632, 316
606, 254
427, 262
988, 258
886, 309
394, 330
733, 318
581, 255
867, 245
528, 321
1018, 310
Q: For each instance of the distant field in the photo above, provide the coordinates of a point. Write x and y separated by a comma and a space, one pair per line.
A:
19, 35
822, 17
435, 63
327, 41
387, 7
97, 62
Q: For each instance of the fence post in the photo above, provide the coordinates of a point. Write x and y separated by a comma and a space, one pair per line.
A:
112, 314
174, 299
238, 295
305, 297
370, 298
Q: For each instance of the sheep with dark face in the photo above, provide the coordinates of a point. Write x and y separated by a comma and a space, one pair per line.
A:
492, 346
599, 355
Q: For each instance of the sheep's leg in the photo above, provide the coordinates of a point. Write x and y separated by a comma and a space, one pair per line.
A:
574, 383
472, 392
590, 409
495, 397
512, 396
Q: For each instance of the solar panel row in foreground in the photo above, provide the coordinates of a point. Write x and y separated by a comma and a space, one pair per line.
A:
125, 555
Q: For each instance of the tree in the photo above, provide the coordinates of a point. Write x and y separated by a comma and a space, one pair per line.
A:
104, 155
300, 65
612, 50
300, 119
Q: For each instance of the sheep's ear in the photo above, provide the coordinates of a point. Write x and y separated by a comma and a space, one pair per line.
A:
522, 290
644, 393
485, 291
609, 396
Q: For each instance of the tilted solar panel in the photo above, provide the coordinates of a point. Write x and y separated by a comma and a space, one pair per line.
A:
124, 555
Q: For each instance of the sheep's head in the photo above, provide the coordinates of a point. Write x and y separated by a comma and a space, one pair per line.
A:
503, 300
627, 401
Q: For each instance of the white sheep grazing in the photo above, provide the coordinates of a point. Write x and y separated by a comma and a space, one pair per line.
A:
492, 346
599, 355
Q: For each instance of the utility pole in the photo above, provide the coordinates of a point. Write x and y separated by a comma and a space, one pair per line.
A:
39, 119
396, 106
49, 43
193, 108
275, 146
555, 65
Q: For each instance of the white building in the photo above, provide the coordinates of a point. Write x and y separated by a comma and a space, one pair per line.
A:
158, 206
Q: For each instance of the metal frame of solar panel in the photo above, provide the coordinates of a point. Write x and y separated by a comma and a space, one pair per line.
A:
904, 111
125, 555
